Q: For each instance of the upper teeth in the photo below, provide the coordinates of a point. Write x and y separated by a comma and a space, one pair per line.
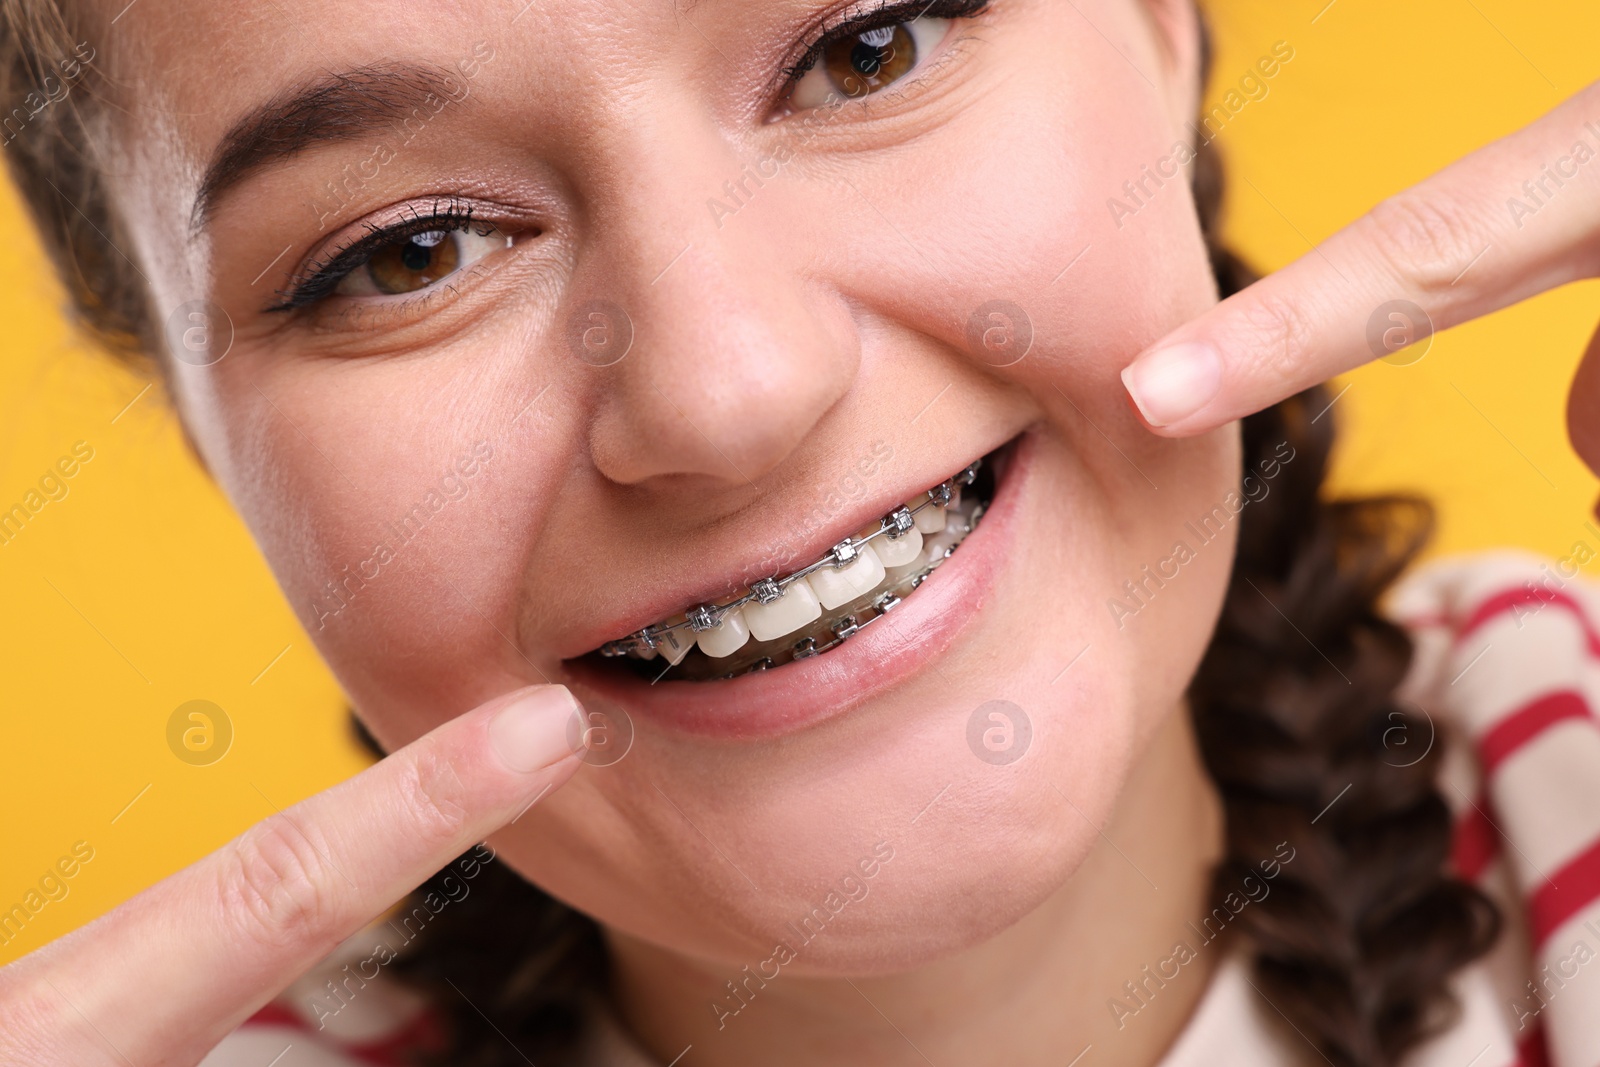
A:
897, 552
887, 551
797, 606
837, 586
729, 635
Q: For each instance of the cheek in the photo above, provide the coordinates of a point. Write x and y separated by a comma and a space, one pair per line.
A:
1043, 220
1031, 269
367, 520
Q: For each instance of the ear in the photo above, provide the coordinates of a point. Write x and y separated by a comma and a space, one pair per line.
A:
1179, 31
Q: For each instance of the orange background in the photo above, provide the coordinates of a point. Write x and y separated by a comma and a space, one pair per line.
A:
140, 590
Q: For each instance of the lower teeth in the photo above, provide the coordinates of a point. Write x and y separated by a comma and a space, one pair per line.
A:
832, 627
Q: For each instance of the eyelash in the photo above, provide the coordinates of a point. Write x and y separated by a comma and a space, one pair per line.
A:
319, 280
886, 13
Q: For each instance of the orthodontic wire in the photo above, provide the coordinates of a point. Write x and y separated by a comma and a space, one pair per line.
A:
848, 626
710, 615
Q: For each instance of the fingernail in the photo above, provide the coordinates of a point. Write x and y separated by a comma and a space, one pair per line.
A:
1170, 384
537, 729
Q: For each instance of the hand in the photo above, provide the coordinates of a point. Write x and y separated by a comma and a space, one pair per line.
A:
163, 978
1509, 221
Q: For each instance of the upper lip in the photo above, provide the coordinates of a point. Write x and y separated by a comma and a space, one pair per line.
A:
678, 592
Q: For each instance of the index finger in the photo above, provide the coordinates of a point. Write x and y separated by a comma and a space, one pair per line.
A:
1513, 219
170, 973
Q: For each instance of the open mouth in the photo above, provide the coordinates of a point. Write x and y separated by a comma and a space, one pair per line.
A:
813, 609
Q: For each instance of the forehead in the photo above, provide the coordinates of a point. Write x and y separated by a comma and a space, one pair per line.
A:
579, 87
200, 67
184, 74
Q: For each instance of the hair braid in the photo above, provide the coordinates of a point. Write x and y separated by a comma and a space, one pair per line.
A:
1293, 703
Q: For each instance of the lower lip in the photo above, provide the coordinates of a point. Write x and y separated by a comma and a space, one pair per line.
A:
769, 704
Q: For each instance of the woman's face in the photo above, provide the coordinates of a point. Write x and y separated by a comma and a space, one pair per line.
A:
644, 324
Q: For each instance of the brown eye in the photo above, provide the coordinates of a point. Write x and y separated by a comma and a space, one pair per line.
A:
411, 264
868, 61
415, 263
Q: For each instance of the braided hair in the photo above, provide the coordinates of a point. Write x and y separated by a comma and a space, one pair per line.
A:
1357, 941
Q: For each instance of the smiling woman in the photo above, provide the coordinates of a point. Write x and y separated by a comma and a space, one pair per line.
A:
875, 773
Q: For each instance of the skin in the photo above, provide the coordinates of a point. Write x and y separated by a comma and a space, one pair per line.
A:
766, 359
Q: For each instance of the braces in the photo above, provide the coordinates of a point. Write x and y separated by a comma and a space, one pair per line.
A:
894, 525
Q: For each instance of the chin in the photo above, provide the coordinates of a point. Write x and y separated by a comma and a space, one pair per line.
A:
947, 892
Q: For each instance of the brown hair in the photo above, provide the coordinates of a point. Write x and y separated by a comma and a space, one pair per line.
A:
1358, 938
50, 159
1299, 727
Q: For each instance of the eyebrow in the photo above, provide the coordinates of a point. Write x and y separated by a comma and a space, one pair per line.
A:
330, 109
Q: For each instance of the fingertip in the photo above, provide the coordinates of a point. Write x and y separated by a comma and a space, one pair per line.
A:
538, 728
1171, 384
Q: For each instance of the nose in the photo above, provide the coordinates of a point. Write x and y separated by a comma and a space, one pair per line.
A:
736, 353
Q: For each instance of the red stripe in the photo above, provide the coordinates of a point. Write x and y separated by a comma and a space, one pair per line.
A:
1532, 1051
1565, 893
1528, 722
424, 1033
275, 1014
1509, 600
1475, 843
